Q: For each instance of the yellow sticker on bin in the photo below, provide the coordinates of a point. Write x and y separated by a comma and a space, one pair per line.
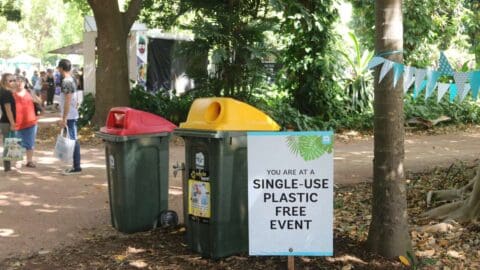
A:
227, 114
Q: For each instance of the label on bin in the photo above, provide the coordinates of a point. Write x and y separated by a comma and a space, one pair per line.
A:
199, 160
290, 193
199, 207
111, 161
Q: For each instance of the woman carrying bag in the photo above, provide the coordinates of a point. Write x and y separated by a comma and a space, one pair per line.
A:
26, 119
8, 108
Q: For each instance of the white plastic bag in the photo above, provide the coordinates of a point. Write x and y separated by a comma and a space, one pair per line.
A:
64, 147
13, 150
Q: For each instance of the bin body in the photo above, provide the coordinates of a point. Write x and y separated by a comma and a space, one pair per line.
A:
217, 222
215, 186
137, 172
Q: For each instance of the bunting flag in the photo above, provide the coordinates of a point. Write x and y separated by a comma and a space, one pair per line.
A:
375, 62
387, 65
460, 80
444, 66
453, 92
475, 83
397, 72
432, 77
464, 82
464, 93
420, 83
408, 78
442, 89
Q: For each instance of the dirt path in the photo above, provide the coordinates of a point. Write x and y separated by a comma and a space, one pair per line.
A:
40, 209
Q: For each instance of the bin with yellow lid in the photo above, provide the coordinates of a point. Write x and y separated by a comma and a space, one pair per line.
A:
215, 184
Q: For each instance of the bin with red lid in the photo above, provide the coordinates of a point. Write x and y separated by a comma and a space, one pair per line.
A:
136, 153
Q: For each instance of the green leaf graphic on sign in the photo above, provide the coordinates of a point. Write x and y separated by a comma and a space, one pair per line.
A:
309, 147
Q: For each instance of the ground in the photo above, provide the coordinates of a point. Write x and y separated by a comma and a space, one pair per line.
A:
50, 221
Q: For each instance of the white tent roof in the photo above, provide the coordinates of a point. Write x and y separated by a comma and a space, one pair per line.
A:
24, 59
76, 48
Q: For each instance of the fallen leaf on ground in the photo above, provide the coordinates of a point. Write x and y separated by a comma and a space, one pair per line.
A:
404, 260
138, 264
454, 254
120, 258
425, 253
133, 250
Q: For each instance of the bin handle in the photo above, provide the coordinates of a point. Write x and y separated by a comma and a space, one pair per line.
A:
177, 168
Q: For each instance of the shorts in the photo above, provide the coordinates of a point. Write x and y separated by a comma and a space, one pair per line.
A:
28, 137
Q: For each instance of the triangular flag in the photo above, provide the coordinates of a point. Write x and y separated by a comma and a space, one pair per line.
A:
444, 66
420, 83
397, 71
475, 83
432, 77
453, 92
417, 91
442, 89
464, 94
387, 65
408, 78
460, 80
375, 61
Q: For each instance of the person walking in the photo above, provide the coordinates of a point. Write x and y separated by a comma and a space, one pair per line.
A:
26, 119
69, 111
7, 105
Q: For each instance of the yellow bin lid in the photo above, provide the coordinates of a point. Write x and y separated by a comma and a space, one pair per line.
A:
226, 114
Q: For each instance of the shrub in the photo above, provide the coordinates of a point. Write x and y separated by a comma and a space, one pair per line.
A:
86, 110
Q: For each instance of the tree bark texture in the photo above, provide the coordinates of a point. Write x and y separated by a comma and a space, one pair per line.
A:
388, 233
113, 26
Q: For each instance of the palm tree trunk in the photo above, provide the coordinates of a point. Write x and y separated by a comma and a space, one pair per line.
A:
388, 234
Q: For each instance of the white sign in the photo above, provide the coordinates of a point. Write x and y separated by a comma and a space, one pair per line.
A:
290, 193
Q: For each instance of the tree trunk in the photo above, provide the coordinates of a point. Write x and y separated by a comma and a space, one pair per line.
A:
464, 205
388, 233
113, 26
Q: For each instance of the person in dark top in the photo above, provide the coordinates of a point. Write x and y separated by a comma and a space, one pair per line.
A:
7, 106
51, 87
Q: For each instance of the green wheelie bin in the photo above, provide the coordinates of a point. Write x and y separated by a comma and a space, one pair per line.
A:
136, 153
215, 188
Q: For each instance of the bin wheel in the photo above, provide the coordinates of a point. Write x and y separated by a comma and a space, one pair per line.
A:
168, 218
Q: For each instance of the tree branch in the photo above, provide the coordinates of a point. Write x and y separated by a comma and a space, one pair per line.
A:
132, 13
92, 3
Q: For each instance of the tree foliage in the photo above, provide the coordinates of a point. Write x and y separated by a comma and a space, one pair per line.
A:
10, 10
233, 33
426, 26
44, 26
162, 14
308, 58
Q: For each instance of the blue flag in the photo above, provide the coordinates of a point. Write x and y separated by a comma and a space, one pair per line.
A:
397, 72
475, 83
444, 66
432, 77
453, 92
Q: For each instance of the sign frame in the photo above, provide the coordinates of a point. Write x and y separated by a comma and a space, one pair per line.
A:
290, 193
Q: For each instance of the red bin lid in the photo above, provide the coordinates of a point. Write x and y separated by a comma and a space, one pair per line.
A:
124, 121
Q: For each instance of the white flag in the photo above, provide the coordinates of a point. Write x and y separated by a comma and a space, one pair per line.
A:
460, 80
387, 65
419, 77
408, 78
442, 89
375, 61
462, 95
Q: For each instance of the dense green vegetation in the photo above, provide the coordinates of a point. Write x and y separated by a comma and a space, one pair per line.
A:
322, 81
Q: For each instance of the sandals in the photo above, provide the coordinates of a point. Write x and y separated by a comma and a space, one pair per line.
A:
31, 165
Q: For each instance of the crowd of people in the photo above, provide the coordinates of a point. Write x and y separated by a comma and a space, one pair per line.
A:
23, 100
